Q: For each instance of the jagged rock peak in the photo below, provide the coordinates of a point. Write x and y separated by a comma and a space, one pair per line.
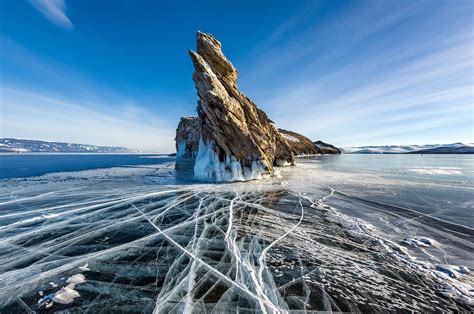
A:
238, 141
209, 49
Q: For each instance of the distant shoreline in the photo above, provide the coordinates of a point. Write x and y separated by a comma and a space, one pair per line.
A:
79, 153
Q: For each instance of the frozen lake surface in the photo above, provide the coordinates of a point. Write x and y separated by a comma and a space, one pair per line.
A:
128, 233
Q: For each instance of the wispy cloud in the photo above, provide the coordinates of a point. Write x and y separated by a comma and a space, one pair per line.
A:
31, 115
79, 109
366, 81
53, 10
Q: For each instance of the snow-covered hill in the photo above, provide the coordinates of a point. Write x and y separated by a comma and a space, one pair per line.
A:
12, 145
455, 148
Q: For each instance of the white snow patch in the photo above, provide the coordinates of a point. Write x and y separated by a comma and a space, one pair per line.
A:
67, 294
290, 138
85, 267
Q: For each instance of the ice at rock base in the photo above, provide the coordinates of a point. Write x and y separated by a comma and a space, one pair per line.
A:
282, 163
181, 151
209, 167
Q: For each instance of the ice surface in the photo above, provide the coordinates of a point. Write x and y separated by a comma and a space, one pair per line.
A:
181, 149
145, 243
437, 170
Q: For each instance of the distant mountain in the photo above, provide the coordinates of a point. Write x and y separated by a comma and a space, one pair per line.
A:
456, 148
13, 145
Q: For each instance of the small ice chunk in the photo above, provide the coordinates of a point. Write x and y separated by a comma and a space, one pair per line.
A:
85, 267
76, 279
66, 295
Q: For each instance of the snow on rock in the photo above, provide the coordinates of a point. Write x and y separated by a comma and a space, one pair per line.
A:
300, 145
290, 138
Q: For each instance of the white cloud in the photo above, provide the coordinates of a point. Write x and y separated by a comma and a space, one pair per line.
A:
35, 116
53, 10
367, 88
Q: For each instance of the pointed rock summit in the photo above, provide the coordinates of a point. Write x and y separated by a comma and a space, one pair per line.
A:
237, 140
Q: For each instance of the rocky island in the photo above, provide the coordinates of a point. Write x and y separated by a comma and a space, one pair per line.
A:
231, 139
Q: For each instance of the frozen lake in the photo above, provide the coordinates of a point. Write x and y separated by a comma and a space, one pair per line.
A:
341, 233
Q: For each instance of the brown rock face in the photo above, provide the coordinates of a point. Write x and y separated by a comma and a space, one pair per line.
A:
327, 148
300, 145
233, 129
187, 138
231, 139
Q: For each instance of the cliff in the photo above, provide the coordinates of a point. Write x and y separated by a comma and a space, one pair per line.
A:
187, 138
231, 139
327, 148
300, 145
238, 141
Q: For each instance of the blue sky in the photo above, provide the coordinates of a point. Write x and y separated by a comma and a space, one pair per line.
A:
114, 72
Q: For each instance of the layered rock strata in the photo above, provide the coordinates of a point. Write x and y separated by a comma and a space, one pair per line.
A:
231, 139
187, 138
327, 148
300, 145
238, 140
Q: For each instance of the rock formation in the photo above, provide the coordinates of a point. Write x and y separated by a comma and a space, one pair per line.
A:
327, 148
300, 145
238, 141
187, 138
231, 139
